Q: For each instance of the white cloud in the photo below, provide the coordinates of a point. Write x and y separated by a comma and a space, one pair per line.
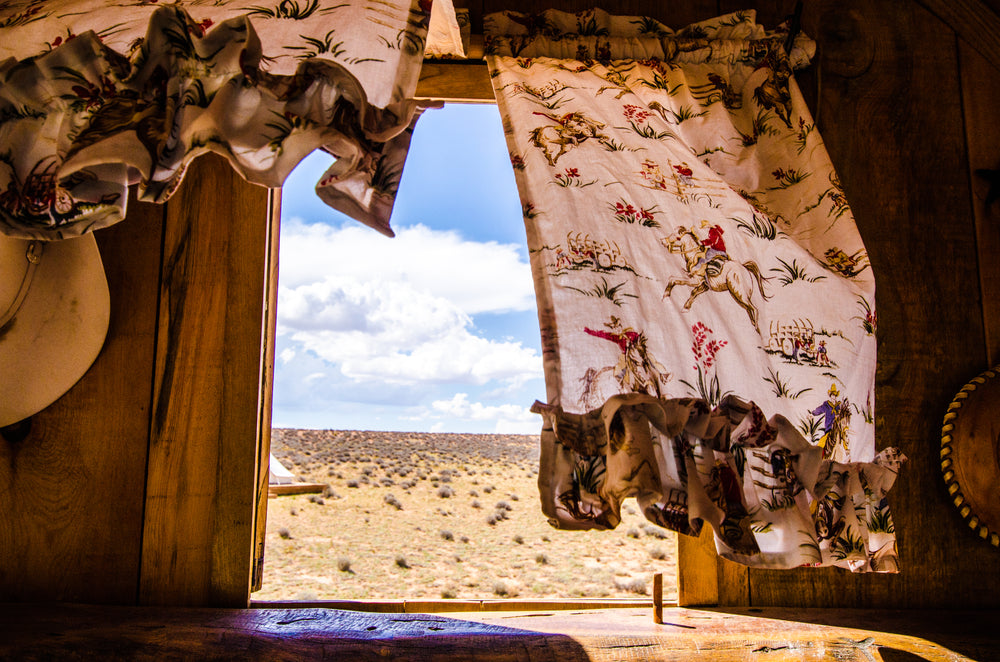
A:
313, 377
350, 301
476, 277
510, 419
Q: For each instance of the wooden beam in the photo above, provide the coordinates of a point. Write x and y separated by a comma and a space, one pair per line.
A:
459, 82
200, 489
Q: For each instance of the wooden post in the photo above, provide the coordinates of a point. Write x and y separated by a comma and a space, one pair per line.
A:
198, 540
658, 598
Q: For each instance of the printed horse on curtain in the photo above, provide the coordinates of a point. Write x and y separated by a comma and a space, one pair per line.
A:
713, 272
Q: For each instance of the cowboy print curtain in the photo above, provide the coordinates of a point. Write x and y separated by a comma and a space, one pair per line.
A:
96, 95
705, 300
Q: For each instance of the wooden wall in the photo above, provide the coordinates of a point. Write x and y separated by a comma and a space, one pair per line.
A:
139, 486
906, 95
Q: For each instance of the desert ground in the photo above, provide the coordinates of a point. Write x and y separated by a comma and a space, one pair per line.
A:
441, 516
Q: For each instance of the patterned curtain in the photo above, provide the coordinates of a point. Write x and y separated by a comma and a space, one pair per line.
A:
96, 95
706, 303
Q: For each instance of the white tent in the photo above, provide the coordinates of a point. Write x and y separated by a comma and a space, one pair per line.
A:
279, 474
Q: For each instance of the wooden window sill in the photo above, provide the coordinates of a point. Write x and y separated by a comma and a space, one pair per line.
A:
55, 631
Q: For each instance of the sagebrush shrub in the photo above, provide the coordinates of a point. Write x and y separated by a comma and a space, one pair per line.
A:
655, 531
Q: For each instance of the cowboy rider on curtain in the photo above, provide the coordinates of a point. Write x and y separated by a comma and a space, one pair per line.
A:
715, 250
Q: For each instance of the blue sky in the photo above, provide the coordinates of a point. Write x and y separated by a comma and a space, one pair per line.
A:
434, 330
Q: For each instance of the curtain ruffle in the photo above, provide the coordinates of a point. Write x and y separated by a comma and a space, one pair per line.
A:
82, 120
597, 35
768, 494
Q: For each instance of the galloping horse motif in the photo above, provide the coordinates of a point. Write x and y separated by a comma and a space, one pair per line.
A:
730, 275
568, 131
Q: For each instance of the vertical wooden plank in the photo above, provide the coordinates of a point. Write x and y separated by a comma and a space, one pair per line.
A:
704, 579
892, 121
266, 390
973, 20
697, 571
71, 491
200, 491
734, 584
980, 100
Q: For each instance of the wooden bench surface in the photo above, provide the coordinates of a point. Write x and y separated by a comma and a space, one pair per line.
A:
64, 631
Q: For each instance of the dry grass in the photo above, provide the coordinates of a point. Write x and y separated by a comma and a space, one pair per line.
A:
385, 518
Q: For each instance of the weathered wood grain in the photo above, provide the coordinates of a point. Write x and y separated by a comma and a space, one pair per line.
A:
981, 108
769, 12
697, 571
71, 491
974, 20
467, 82
767, 635
201, 491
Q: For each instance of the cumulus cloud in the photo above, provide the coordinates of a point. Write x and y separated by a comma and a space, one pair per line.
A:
476, 277
349, 300
510, 419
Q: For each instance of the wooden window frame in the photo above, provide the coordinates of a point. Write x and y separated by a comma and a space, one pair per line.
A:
700, 572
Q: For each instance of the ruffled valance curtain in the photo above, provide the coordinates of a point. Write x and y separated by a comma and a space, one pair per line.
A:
706, 302
96, 95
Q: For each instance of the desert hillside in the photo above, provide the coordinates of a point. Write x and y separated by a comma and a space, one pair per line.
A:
420, 515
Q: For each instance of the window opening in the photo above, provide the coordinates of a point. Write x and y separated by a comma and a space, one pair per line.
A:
403, 372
